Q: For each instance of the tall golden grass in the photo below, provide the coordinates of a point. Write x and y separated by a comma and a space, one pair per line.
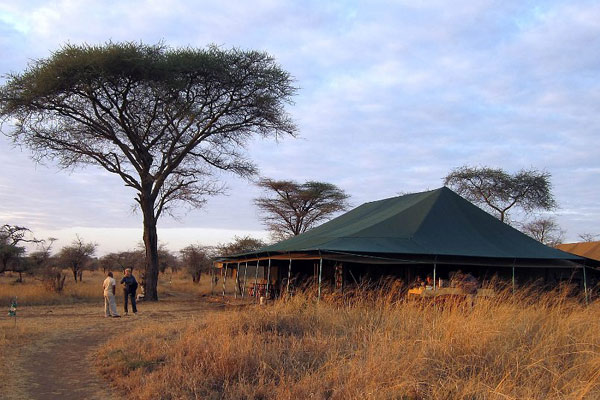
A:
524, 346
33, 292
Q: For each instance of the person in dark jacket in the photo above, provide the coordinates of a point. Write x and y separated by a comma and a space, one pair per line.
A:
129, 287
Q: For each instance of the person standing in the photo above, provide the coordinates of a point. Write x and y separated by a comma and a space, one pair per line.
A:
110, 304
129, 287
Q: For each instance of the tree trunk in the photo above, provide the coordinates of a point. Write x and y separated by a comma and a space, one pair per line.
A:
151, 245
75, 274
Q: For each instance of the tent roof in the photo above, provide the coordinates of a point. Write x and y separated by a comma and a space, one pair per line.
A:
584, 249
433, 223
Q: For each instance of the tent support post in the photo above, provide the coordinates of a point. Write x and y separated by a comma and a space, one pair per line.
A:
513, 279
320, 276
268, 280
287, 289
256, 280
212, 279
245, 276
225, 278
434, 274
237, 281
585, 286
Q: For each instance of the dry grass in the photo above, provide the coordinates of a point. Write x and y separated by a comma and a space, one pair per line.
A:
527, 346
32, 291
181, 282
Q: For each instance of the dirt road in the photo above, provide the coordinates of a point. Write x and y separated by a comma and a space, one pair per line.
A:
57, 361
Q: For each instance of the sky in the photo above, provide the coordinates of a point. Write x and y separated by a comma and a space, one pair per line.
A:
392, 96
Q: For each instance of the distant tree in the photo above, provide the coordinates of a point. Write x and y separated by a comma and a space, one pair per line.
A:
134, 259
12, 251
40, 258
77, 256
162, 119
499, 192
196, 260
47, 266
239, 245
166, 259
545, 230
289, 208
588, 237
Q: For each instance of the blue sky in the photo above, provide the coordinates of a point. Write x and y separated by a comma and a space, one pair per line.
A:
393, 95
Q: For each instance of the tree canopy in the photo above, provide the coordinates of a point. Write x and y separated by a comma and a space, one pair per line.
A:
196, 260
77, 256
12, 249
498, 191
240, 244
162, 119
290, 208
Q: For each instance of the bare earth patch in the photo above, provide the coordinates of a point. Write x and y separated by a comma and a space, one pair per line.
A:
50, 354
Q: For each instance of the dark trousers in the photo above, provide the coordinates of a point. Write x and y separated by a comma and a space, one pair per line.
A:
126, 295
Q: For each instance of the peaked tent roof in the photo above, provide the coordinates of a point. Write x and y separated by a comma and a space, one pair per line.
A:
433, 223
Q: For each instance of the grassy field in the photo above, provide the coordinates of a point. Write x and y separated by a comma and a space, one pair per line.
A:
32, 291
72, 322
529, 346
368, 345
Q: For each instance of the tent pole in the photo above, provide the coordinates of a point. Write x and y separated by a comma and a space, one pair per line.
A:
434, 273
513, 279
245, 275
225, 278
256, 279
585, 286
268, 280
212, 279
237, 281
320, 276
287, 289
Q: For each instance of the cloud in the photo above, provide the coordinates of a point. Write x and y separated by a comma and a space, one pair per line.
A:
392, 96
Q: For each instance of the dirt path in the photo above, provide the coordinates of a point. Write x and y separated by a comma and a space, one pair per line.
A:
58, 363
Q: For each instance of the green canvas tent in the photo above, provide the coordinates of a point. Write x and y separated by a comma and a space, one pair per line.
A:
437, 224
407, 236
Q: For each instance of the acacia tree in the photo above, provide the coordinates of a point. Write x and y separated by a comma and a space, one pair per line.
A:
545, 230
588, 237
133, 259
240, 244
289, 208
77, 256
499, 192
162, 119
12, 238
196, 260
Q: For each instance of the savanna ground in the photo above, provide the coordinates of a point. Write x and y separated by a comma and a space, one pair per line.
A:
523, 346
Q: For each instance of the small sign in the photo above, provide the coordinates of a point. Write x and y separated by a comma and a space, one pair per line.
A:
12, 310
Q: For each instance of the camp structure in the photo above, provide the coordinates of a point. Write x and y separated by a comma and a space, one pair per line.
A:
589, 250
435, 233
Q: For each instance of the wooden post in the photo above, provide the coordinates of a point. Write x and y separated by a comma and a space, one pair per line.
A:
245, 276
256, 279
320, 276
212, 279
237, 281
287, 289
513, 279
268, 280
585, 286
225, 278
